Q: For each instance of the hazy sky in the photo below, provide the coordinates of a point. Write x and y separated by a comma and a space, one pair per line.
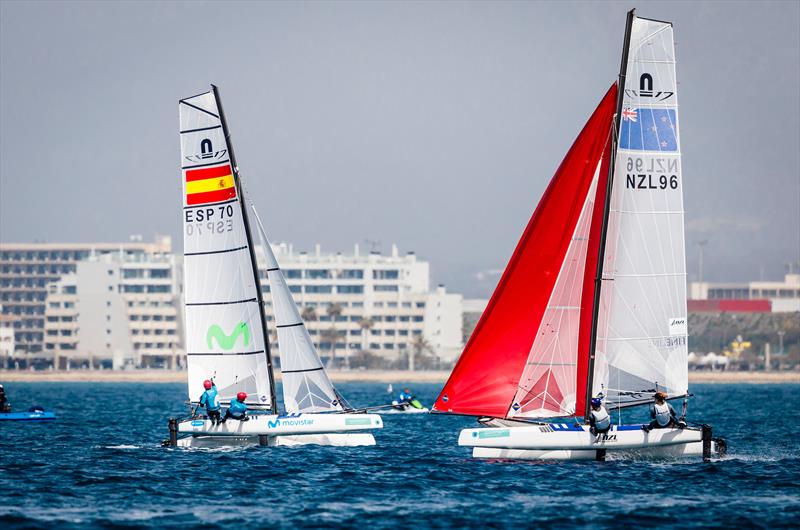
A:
433, 125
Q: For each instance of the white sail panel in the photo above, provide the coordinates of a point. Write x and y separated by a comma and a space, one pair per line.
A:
224, 334
548, 384
306, 385
642, 335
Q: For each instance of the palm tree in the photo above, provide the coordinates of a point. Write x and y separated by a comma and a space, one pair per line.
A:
334, 311
418, 347
365, 324
331, 335
309, 314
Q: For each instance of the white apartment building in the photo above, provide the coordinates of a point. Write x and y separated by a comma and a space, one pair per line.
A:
116, 311
27, 269
383, 304
6, 340
784, 296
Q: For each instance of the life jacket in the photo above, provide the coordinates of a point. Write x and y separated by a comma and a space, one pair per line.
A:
663, 413
210, 399
601, 418
237, 408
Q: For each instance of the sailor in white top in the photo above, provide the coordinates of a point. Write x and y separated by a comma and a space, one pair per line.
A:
599, 419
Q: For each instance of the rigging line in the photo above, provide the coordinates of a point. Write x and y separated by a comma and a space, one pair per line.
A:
198, 108
289, 325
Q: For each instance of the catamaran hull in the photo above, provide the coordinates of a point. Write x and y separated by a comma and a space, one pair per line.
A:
669, 451
289, 425
573, 437
356, 439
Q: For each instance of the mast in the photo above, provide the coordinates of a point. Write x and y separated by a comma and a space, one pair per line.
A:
598, 280
251, 248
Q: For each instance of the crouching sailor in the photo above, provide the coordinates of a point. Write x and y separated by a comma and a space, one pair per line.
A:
662, 414
599, 419
210, 400
238, 408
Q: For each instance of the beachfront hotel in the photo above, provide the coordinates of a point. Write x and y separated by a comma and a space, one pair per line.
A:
119, 305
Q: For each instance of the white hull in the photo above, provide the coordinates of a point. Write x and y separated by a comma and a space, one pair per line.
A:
331, 439
669, 451
288, 425
572, 437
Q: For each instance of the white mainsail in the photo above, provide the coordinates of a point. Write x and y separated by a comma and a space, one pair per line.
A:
306, 385
224, 326
642, 328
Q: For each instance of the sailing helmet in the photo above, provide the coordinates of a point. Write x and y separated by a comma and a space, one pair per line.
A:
241, 396
207, 384
596, 402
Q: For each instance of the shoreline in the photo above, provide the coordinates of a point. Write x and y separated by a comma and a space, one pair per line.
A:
372, 376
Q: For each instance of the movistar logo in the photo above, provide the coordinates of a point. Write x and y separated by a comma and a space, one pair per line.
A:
225, 341
289, 420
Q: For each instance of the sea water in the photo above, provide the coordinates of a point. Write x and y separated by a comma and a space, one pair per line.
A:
101, 464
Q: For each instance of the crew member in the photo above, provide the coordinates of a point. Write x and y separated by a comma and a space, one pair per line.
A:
210, 400
238, 408
661, 413
5, 406
599, 419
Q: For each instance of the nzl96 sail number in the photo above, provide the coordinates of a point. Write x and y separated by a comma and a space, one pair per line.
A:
209, 220
651, 173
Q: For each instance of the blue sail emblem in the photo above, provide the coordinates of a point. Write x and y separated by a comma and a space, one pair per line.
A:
649, 130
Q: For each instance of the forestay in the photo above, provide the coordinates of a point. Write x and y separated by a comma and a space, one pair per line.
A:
224, 333
642, 331
306, 386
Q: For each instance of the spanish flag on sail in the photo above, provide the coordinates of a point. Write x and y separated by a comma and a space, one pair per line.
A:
210, 184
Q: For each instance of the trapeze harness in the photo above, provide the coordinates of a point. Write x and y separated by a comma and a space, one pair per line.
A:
663, 414
602, 421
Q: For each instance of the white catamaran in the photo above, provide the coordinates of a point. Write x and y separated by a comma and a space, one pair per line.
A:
226, 330
593, 300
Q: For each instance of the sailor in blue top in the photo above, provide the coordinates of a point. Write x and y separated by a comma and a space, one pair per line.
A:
238, 408
405, 396
210, 400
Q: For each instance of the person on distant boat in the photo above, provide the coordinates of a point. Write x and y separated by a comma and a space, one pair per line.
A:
238, 408
405, 397
662, 414
599, 419
5, 406
210, 400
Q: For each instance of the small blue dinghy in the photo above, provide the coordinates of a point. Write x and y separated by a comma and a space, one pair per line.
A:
32, 414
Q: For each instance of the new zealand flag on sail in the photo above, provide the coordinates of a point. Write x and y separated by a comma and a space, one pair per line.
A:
648, 130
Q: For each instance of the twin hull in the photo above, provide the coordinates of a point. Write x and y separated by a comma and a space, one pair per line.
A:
574, 437
274, 425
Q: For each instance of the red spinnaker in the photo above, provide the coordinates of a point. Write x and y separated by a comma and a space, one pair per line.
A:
587, 292
486, 376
